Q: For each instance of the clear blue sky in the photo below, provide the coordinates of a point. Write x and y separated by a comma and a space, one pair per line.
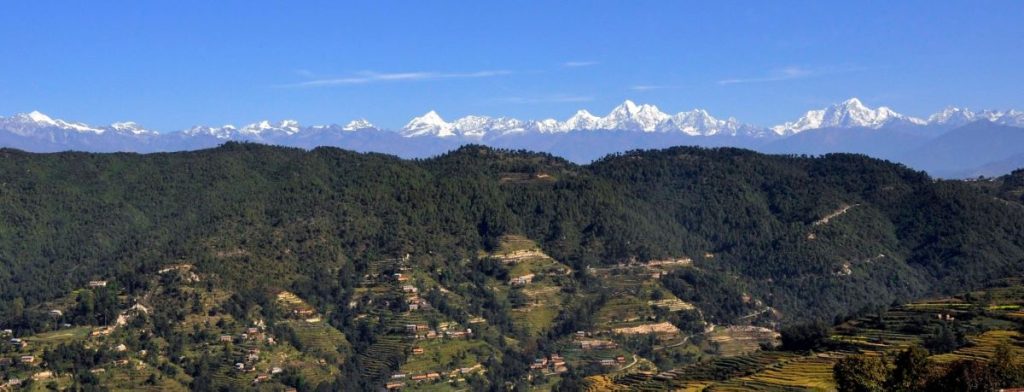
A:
170, 65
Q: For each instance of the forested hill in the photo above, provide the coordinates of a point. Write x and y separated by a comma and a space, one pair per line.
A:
852, 230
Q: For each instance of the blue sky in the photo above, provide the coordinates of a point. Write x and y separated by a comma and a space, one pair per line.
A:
170, 65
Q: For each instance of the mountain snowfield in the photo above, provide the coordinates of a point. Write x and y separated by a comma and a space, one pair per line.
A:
848, 126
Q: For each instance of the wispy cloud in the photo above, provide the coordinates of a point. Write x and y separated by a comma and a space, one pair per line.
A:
651, 87
577, 64
556, 98
378, 77
793, 73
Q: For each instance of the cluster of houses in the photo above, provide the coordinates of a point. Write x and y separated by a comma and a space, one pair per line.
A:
398, 380
423, 331
251, 334
554, 364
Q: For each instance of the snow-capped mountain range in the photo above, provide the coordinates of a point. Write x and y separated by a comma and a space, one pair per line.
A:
848, 126
628, 116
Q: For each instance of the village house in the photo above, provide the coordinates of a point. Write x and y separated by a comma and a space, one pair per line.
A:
456, 334
410, 289
394, 385
226, 338
261, 378
607, 362
400, 277
6, 333
43, 375
397, 376
522, 280
417, 351
620, 359
276, 370
539, 364
411, 328
97, 283
5, 361
595, 344
27, 359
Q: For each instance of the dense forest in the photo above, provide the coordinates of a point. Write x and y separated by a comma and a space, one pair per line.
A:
752, 222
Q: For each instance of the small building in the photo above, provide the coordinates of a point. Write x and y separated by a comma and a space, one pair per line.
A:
43, 375
6, 361
27, 359
120, 348
607, 362
6, 333
410, 289
394, 385
56, 313
522, 280
97, 283
539, 364
620, 359
226, 338
276, 370
261, 378
417, 351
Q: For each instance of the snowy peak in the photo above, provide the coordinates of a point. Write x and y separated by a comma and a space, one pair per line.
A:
129, 127
26, 122
632, 117
952, 116
265, 128
429, 124
356, 125
582, 120
851, 113
223, 132
955, 116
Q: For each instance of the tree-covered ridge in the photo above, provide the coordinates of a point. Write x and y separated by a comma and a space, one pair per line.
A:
290, 215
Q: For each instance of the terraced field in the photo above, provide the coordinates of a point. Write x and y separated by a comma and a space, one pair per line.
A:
319, 338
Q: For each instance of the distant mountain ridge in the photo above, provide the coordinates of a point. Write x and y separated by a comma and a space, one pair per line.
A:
849, 126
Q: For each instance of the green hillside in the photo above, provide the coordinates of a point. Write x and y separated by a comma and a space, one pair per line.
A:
643, 261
